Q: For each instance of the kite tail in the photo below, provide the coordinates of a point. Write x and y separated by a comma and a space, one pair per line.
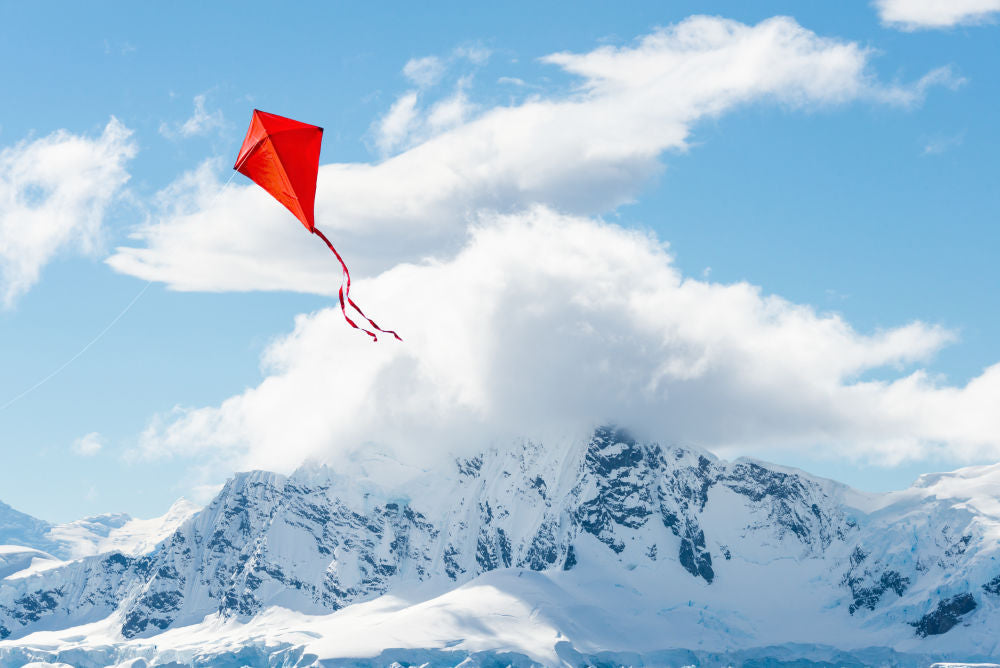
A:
345, 295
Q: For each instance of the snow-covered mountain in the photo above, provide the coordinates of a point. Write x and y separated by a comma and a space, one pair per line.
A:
90, 535
608, 551
17, 528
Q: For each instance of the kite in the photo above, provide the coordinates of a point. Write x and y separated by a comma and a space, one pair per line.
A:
281, 155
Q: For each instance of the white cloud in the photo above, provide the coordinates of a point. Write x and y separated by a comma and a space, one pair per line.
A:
424, 72
429, 70
929, 14
584, 154
201, 122
544, 325
405, 124
88, 445
229, 253
513, 81
54, 193
476, 54
451, 111
395, 126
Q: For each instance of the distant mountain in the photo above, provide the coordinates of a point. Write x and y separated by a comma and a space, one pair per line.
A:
119, 532
610, 551
98, 534
17, 528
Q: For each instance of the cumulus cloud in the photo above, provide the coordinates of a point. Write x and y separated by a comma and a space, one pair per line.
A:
54, 193
582, 153
88, 445
293, 260
931, 14
201, 122
545, 325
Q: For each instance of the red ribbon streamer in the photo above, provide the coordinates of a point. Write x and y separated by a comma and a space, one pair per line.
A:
342, 293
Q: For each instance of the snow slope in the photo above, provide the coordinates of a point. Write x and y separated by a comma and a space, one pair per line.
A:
607, 550
91, 535
17, 528
119, 532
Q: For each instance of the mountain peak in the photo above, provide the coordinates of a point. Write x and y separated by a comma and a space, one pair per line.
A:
669, 538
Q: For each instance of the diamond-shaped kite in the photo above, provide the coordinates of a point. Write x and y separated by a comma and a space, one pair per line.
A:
281, 155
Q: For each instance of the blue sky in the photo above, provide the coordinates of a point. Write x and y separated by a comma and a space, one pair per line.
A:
882, 212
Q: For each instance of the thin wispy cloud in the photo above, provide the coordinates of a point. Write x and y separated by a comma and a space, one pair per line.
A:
201, 122
514, 81
913, 15
424, 72
939, 144
406, 123
474, 53
397, 124
88, 445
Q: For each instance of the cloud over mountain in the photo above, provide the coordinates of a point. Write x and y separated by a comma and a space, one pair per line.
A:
546, 324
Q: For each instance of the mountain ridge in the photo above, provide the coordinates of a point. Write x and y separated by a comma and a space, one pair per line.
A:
648, 527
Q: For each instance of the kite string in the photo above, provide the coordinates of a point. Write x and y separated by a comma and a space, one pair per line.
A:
342, 293
87, 347
106, 329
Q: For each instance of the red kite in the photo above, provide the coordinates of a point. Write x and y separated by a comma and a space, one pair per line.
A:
281, 155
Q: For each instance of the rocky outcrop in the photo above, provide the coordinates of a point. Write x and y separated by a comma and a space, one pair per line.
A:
945, 616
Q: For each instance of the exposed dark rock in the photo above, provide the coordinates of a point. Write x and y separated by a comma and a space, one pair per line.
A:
867, 593
544, 550
470, 467
959, 547
697, 561
947, 614
451, 565
32, 607
570, 559
493, 550
623, 497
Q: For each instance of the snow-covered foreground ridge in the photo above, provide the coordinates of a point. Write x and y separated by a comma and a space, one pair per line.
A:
606, 551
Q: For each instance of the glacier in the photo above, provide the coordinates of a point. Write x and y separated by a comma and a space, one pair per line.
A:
604, 551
